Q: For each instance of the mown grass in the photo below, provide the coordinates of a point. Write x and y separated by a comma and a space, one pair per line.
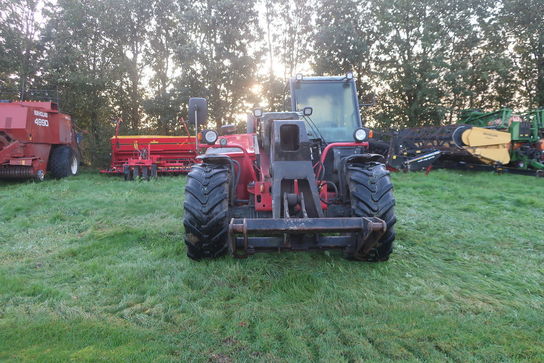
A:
94, 268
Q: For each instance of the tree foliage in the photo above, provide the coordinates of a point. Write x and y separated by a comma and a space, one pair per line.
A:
19, 44
141, 60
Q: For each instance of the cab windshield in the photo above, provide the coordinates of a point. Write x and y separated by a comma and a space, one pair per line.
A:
335, 109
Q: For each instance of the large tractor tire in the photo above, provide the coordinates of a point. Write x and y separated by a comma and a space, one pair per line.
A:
206, 211
371, 193
63, 162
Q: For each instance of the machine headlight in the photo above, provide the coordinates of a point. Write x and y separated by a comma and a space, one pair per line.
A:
299, 77
349, 75
360, 135
210, 136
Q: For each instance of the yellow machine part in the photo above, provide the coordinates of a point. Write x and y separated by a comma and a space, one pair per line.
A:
488, 145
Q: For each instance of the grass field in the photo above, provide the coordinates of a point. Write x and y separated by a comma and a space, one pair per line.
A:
94, 268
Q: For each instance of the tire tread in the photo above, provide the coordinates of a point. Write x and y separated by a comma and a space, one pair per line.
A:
206, 211
60, 161
372, 196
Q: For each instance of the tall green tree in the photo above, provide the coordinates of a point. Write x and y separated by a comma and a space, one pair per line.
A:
20, 50
293, 35
524, 25
274, 89
220, 60
81, 61
479, 72
163, 102
410, 60
288, 28
128, 24
343, 40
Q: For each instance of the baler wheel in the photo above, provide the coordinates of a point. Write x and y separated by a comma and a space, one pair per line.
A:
206, 211
63, 162
145, 173
154, 171
136, 173
372, 196
127, 173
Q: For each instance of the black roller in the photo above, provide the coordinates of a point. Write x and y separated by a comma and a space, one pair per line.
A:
457, 135
16, 172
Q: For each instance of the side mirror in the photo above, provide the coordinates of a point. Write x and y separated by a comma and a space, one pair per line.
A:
258, 112
198, 111
307, 111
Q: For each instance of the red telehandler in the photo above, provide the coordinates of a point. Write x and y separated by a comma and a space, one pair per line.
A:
296, 180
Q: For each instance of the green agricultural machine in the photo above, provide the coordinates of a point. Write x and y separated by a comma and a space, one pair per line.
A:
501, 140
526, 133
498, 119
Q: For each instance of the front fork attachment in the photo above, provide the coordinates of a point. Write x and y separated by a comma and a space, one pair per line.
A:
357, 235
